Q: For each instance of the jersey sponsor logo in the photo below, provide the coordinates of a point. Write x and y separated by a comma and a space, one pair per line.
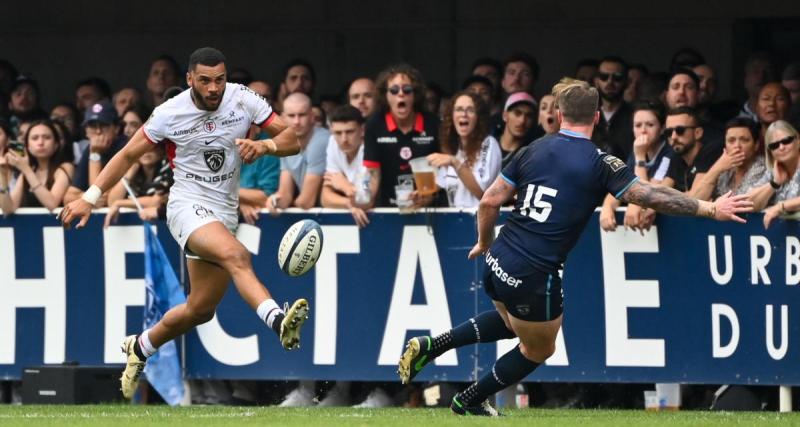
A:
405, 153
216, 178
614, 163
209, 125
209, 141
498, 271
183, 132
422, 139
214, 159
232, 119
387, 140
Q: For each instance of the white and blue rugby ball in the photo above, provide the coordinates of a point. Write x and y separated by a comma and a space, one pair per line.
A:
300, 247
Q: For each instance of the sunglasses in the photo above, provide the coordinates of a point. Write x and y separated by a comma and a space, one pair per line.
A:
785, 141
617, 77
680, 130
407, 89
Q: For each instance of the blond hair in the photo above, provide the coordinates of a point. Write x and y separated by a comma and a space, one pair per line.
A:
769, 137
576, 100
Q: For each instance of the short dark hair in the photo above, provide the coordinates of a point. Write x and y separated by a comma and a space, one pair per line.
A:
477, 79
691, 112
527, 58
487, 61
686, 57
692, 75
101, 85
346, 113
618, 60
656, 108
301, 62
744, 122
207, 56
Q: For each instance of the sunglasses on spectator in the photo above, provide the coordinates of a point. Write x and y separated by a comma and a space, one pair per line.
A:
617, 77
407, 89
785, 141
680, 130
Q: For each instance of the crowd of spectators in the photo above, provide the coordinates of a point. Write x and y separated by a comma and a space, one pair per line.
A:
668, 125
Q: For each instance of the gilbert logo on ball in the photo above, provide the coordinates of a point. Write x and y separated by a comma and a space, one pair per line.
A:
300, 247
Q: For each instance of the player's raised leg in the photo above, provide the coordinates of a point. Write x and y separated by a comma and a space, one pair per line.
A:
209, 282
537, 343
485, 327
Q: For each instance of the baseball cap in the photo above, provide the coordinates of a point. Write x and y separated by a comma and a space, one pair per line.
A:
519, 97
102, 112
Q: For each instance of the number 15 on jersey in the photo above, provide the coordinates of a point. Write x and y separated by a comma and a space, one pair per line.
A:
539, 209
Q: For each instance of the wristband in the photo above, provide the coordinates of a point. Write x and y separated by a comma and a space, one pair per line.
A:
774, 184
92, 194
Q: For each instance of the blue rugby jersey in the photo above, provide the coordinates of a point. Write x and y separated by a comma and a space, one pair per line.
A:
560, 180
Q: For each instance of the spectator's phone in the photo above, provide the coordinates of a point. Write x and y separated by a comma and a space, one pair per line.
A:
17, 147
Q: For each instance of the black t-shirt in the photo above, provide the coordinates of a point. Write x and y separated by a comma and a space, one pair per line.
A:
559, 181
684, 174
389, 149
616, 136
82, 171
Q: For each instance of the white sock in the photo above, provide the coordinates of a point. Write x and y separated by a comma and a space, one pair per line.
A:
144, 343
267, 311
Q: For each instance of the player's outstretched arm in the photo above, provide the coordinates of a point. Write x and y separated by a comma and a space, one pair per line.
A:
81, 208
489, 208
673, 202
283, 142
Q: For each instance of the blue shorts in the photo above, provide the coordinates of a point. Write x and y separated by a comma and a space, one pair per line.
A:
528, 294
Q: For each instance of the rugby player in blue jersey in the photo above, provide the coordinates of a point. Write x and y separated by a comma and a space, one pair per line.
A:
559, 181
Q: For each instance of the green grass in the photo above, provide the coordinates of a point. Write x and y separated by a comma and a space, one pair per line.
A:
124, 415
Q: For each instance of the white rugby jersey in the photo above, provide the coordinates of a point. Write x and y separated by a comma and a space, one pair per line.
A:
201, 144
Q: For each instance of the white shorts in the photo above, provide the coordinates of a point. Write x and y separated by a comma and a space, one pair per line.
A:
184, 217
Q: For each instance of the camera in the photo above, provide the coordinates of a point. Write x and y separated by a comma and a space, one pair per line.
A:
17, 147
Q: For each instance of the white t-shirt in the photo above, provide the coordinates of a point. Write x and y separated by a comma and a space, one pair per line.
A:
337, 161
201, 144
485, 170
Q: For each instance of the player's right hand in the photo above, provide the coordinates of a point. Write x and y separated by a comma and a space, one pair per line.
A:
77, 209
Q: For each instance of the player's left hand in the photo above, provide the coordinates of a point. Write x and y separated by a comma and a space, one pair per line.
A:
77, 209
250, 150
728, 206
477, 250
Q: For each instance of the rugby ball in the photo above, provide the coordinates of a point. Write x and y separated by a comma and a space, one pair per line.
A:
300, 247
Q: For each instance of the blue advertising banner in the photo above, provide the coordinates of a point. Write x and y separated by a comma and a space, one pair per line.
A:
690, 301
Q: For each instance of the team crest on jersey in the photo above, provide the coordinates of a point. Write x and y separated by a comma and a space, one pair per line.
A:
214, 159
209, 125
405, 153
614, 163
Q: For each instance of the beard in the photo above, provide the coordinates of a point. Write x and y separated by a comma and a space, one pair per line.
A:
202, 103
611, 97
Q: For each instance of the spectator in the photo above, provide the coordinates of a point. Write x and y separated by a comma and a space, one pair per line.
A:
24, 102
435, 99
298, 76
649, 160
126, 99
301, 174
90, 91
781, 192
399, 132
586, 70
328, 103
482, 87
653, 88
361, 94
790, 79
636, 72
241, 76
101, 125
344, 170
774, 103
6, 136
262, 88
685, 57
758, 70
683, 91
489, 68
518, 117
318, 116
68, 115
132, 119
693, 158
470, 158
707, 87
164, 73
613, 133
43, 177
741, 166
548, 119
150, 179
520, 73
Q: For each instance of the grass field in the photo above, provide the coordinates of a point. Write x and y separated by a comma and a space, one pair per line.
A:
124, 415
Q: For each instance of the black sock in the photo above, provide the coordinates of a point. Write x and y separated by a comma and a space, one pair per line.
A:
485, 327
509, 369
137, 349
276, 323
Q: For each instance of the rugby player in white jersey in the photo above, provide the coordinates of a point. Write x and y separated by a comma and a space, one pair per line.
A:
204, 129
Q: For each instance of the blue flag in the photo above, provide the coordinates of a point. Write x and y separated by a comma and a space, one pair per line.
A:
163, 369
